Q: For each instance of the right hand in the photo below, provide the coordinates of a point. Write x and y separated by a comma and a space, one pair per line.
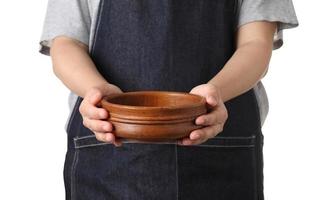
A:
94, 117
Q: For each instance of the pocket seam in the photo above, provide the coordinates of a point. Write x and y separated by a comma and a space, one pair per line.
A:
73, 174
225, 142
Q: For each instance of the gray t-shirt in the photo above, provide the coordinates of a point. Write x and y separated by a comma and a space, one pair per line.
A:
77, 19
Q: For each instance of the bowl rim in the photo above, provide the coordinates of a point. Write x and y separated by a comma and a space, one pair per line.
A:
201, 101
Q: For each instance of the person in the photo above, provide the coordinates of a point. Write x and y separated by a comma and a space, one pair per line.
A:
217, 49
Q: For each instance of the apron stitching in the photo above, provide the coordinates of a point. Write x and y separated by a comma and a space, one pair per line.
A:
97, 27
84, 137
238, 138
145, 142
73, 175
100, 144
258, 149
254, 158
176, 171
201, 49
226, 146
200, 145
91, 145
160, 143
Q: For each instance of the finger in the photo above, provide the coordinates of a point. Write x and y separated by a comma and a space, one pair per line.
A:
217, 116
201, 135
108, 138
93, 96
91, 111
212, 131
98, 125
104, 137
208, 119
187, 141
195, 137
212, 100
222, 114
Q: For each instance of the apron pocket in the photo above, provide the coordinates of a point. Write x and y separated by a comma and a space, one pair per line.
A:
221, 168
133, 171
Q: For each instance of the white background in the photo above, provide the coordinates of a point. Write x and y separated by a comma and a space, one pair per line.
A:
34, 108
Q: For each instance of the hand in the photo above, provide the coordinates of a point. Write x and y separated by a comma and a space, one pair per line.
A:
213, 121
95, 117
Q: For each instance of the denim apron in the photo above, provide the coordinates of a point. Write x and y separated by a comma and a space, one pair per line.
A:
171, 45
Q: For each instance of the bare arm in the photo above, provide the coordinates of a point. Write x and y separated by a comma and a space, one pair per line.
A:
250, 61
246, 67
74, 67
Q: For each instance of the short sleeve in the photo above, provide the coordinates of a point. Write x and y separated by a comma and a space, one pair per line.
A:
70, 18
280, 11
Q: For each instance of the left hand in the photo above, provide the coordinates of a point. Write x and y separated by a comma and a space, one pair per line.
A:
213, 121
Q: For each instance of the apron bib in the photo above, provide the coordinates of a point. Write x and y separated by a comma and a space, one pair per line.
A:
171, 45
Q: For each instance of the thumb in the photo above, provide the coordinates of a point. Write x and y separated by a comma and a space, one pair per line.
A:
212, 100
94, 96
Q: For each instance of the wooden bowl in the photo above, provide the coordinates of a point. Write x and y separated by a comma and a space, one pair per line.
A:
154, 115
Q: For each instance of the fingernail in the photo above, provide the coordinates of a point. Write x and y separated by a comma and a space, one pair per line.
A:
195, 136
186, 142
201, 121
108, 138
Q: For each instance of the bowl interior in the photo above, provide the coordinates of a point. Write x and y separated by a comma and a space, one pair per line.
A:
156, 99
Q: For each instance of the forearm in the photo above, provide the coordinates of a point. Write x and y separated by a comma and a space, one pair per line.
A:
247, 66
74, 67
243, 70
